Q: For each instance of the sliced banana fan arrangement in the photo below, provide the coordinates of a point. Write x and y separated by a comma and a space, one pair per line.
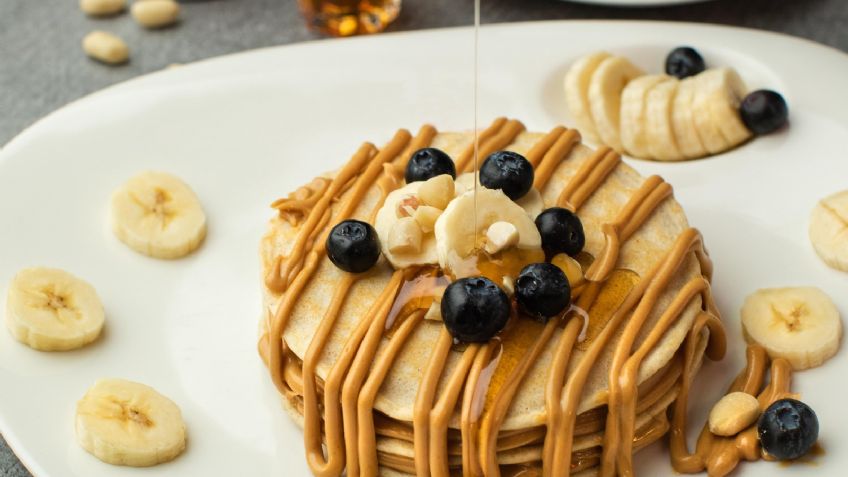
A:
685, 114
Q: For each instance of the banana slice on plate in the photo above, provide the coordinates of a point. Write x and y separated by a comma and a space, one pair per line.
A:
829, 230
659, 131
126, 423
460, 238
157, 214
532, 202
605, 87
683, 121
51, 310
634, 115
799, 324
723, 101
577, 93
706, 86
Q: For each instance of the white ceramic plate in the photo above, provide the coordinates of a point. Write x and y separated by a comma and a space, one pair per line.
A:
246, 129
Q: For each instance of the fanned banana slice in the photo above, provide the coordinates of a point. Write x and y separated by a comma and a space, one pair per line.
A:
683, 121
395, 221
634, 114
799, 324
605, 87
829, 230
51, 310
532, 202
708, 129
577, 93
126, 423
728, 89
157, 214
659, 131
456, 235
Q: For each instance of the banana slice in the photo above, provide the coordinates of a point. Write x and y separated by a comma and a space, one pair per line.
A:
157, 214
125, 423
800, 324
829, 230
683, 121
634, 116
605, 87
457, 238
532, 202
51, 310
659, 131
727, 91
394, 221
708, 129
577, 93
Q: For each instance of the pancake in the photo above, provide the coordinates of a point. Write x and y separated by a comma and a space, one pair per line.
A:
647, 296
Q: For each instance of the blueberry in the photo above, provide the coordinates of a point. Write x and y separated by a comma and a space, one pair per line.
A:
542, 290
353, 246
427, 163
764, 111
684, 61
788, 429
474, 309
561, 231
509, 172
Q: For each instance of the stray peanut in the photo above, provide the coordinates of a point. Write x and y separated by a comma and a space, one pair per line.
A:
102, 8
155, 13
105, 47
733, 414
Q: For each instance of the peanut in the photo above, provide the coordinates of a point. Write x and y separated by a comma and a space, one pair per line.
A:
155, 13
733, 413
105, 47
102, 8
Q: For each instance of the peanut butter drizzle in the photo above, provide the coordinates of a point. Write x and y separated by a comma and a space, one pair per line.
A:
282, 273
359, 372
720, 455
297, 205
499, 135
641, 205
589, 177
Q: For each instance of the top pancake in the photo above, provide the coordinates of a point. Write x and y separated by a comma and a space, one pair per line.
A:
396, 398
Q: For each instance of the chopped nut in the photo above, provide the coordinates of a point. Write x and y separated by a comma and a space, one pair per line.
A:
406, 207
426, 217
437, 191
500, 236
733, 414
405, 236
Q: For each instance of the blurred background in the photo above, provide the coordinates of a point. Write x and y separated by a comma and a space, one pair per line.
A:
43, 66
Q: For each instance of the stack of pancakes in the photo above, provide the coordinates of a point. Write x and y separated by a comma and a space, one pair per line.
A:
521, 435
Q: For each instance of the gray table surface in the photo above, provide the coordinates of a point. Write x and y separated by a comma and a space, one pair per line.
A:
42, 66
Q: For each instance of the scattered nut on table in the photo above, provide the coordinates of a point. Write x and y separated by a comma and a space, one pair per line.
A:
734, 413
101, 8
155, 13
105, 47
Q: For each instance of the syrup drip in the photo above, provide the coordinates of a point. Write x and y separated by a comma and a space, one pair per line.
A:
476, 92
